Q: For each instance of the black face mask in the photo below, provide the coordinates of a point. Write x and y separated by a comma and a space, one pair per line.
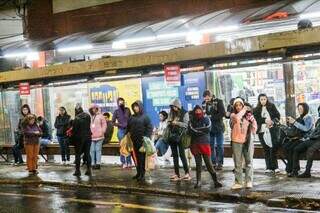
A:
121, 106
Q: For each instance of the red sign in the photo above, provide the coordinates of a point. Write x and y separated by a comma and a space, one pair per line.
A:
24, 88
172, 75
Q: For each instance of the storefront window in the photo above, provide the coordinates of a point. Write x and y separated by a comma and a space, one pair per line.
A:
307, 87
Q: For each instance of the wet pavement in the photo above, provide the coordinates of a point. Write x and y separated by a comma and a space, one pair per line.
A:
52, 199
269, 190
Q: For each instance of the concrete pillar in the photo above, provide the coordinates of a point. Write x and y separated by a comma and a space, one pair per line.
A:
289, 89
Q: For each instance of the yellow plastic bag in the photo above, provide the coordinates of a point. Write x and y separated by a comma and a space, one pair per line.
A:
126, 145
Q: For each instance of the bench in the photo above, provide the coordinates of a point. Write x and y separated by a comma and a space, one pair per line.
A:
113, 150
54, 149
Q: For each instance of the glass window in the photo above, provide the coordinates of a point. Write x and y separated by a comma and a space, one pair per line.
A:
248, 83
307, 87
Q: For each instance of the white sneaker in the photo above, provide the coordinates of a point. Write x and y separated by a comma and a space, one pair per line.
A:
249, 185
277, 171
236, 186
268, 171
63, 163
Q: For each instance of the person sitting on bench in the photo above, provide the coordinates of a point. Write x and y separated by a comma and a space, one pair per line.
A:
303, 125
309, 144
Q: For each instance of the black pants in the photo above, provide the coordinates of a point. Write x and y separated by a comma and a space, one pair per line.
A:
141, 160
270, 153
198, 158
310, 147
178, 150
289, 147
16, 150
82, 146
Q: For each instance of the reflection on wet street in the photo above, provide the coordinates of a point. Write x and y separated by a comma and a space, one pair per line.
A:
50, 199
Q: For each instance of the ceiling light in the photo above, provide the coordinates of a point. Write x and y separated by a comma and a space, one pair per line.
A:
119, 45
310, 15
19, 55
220, 29
75, 48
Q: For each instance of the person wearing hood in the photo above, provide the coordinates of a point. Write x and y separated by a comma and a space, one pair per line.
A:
303, 124
98, 128
31, 136
81, 135
199, 129
120, 119
61, 124
177, 123
243, 125
19, 144
139, 125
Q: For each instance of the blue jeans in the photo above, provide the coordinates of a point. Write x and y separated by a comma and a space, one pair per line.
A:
161, 146
95, 152
64, 148
217, 149
123, 159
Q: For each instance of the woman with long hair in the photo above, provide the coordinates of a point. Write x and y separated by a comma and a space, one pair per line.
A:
266, 115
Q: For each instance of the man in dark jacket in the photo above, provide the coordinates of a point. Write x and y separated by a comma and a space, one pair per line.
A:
139, 125
109, 132
215, 110
120, 119
309, 144
81, 134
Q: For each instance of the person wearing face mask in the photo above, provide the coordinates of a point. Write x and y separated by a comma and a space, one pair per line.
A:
199, 128
303, 124
120, 119
243, 125
265, 114
310, 143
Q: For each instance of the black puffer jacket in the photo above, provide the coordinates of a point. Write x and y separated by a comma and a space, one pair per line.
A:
62, 124
81, 127
199, 129
139, 125
273, 112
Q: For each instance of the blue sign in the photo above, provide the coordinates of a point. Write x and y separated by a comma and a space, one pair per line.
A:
157, 95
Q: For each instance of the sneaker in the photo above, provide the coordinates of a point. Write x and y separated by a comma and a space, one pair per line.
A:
249, 185
219, 167
124, 166
187, 177
268, 171
64, 163
174, 178
236, 186
304, 175
277, 171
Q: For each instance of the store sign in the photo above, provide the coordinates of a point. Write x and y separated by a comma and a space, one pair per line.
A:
24, 88
172, 75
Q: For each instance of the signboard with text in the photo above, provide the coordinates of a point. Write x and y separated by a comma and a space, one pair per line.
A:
24, 88
172, 75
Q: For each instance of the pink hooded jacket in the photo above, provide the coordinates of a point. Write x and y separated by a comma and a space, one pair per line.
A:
98, 126
240, 126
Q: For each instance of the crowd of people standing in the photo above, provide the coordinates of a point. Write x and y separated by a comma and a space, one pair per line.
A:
204, 125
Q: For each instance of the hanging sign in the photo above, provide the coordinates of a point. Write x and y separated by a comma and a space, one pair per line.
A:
24, 88
172, 75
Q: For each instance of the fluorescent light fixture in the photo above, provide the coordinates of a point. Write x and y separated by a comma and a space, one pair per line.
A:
310, 15
171, 35
137, 40
61, 83
75, 48
117, 77
220, 29
119, 45
194, 37
20, 55
34, 56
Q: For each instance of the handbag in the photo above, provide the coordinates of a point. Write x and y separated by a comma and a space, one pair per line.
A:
126, 145
148, 146
292, 132
166, 134
185, 139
